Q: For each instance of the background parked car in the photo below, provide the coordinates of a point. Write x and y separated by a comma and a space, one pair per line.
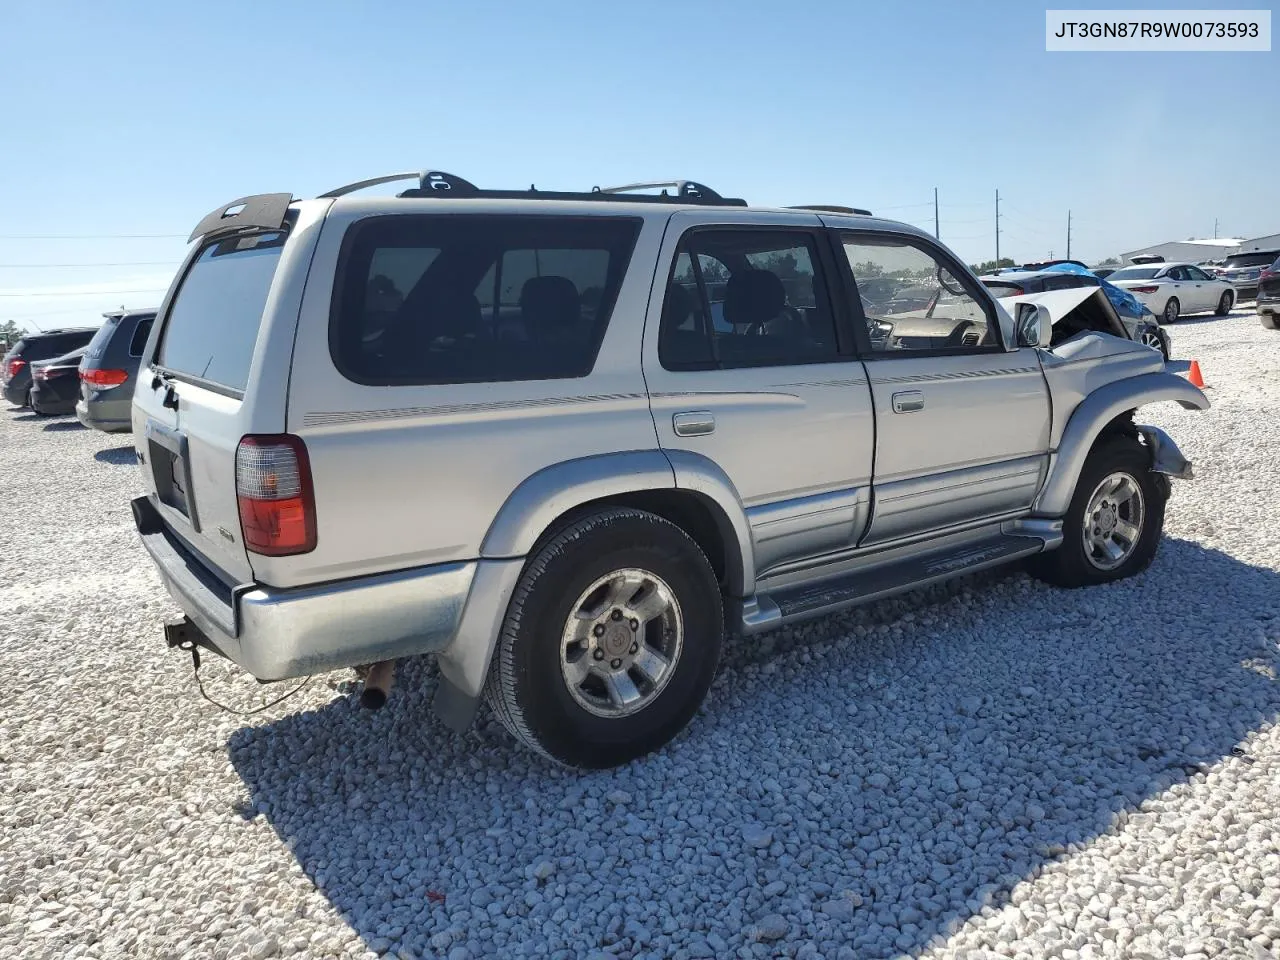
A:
38, 346
1242, 270
1139, 322
55, 384
109, 369
1174, 289
1268, 302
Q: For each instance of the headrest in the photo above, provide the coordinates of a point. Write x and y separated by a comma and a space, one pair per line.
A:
550, 303
753, 296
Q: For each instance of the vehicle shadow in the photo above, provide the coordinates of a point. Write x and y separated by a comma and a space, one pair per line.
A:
27, 416
120, 456
422, 839
63, 425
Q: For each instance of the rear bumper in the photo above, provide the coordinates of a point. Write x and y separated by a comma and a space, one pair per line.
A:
110, 416
16, 392
52, 398
275, 634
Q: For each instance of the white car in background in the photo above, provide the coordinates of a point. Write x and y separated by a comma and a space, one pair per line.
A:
1170, 290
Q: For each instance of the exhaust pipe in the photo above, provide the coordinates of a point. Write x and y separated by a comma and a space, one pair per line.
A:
377, 684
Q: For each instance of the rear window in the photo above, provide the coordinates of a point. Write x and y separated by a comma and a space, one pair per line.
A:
100, 339
1134, 273
1250, 260
447, 299
212, 326
1002, 290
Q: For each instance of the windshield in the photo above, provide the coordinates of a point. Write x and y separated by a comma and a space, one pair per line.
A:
212, 327
1134, 273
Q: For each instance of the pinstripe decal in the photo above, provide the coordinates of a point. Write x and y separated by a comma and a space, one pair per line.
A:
961, 375
318, 419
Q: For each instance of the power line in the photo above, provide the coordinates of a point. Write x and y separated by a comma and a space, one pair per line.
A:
92, 236
83, 293
122, 263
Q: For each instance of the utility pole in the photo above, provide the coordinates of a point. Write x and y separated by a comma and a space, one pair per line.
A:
1068, 234
1215, 228
937, 232
997, 229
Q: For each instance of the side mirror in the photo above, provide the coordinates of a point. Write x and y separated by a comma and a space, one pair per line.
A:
1034, 325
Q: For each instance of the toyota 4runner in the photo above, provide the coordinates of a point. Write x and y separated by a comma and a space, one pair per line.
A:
567, 442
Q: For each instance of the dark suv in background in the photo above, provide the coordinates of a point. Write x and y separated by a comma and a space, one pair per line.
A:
1242, 270
110, 367
1268, 302
33, 347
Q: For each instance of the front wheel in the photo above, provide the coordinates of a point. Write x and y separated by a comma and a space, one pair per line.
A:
1225, 304
1113, 526
1171, 310
610, 642
1152, 339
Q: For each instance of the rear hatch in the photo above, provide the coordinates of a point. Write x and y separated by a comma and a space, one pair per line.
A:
196, 396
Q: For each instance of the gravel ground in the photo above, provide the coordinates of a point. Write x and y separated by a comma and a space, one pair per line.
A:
990, 768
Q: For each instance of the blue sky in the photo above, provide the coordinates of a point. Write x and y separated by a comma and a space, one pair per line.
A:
125, 122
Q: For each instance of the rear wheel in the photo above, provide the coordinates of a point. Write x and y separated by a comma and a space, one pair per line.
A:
611, 640
1270, 321
1171, 310
1113, 526
1225, 304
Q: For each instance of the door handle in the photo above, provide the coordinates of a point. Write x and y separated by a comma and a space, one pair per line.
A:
695, 423
908, 401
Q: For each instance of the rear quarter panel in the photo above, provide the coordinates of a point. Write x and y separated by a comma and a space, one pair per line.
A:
413, 475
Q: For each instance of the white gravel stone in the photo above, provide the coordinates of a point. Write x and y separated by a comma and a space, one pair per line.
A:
987, 767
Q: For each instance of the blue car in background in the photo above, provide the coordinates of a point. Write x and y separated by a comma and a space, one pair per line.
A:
1141, 324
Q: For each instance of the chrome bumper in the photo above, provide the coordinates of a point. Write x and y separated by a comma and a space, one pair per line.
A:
275, 633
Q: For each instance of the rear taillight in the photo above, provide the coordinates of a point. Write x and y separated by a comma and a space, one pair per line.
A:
14, 368
1143, 289
274, 492
104, 379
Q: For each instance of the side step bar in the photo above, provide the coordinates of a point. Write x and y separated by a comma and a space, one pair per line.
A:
775, 608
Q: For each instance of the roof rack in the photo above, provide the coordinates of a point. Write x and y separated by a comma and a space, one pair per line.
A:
831, 208
440, 185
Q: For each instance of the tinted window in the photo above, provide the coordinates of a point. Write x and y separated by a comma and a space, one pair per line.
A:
1002, 290
746, 298
1195, 273
212, 326
424, 300
100, 339
913, 300
1069, 281
140, 334
1250, 259
1134, 273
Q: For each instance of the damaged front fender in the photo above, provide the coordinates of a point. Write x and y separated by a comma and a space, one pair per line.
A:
1166, 458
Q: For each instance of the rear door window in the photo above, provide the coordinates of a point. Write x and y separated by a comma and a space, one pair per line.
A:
212, 326
140, 334
444, 299
98, 345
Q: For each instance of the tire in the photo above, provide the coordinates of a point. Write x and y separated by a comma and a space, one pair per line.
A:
1225, 304
579, 568
1171, 309
1074, 563
1151, 338
1270, 321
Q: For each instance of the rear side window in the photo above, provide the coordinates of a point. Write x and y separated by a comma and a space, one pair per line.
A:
212, 326
140, 334
746, 298
448, 299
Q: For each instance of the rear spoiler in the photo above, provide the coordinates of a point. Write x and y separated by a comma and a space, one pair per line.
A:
266, 211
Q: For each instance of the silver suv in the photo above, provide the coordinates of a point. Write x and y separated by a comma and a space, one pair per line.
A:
568, 441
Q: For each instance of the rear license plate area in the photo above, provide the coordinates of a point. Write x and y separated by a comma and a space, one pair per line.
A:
171, 470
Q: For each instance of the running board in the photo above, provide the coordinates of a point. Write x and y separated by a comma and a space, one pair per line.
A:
801, 601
